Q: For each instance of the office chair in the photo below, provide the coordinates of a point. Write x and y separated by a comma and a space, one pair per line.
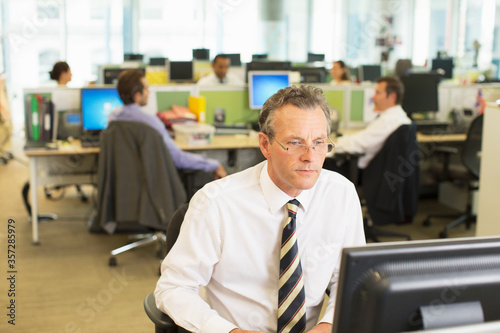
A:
468, 173
163, 323
390, 182
139, 187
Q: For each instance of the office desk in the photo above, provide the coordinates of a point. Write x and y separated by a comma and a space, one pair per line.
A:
73, 164
421, 138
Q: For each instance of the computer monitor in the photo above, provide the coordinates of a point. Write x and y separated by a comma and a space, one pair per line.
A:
312, 57
311, 74
181, 71
133, 57
369, 72
268, 66
97, 104
443, 67
259, 57
201, 54
110, 75
410, 286
264, 84
158, 61
421, 92
234, 58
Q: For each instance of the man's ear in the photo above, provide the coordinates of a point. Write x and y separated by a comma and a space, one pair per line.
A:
265, 145
137, 96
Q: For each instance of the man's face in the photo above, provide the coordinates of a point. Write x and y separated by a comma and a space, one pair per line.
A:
220, 67
142, 98
294, 173
381, 99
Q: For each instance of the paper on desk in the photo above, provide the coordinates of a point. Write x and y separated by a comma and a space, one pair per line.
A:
66, 99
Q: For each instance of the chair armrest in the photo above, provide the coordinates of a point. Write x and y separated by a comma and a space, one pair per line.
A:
160, 319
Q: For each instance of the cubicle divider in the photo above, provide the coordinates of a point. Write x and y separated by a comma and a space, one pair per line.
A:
353, 102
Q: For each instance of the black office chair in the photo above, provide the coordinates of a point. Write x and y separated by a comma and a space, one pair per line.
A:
139, 187
163, 323
467, 173
390, 183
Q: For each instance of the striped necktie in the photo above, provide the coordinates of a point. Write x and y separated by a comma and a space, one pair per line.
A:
291, 295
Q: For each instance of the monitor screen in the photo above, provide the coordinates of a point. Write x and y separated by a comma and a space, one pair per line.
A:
421, 92
201, 54
111, 74
264, 84
312, 57
97, 103
181, 71
444, 67
311, 74
369, 72
234, 58
268, 66
410, 286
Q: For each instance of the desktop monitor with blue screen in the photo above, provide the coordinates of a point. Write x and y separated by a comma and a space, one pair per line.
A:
97, 104
411, 286
369, 72
264, 84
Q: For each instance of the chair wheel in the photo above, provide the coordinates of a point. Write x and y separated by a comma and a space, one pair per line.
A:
427, 222
443, 234
112, 261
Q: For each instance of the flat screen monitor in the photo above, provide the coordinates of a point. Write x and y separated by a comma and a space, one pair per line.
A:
268, 66
234, 58
201, 54
410, 286
421, 92
111, 74
264, 84
259, 57
181, 71
444, 67
369, 72
311, 74
97, 104
312, 57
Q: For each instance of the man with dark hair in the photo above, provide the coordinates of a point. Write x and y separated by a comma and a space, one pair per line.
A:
387, 100
220, 75
133, 90
265, 243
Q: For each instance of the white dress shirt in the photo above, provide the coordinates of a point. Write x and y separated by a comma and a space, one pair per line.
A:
230, 242
212, 80
371, 139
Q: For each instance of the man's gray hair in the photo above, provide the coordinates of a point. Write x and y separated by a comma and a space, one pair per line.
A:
303, 97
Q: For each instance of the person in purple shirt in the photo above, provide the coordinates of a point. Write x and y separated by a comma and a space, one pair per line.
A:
133, 90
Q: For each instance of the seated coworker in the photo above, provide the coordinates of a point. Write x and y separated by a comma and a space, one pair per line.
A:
387, 99
221, 74
231, 239
61, 73
133, 90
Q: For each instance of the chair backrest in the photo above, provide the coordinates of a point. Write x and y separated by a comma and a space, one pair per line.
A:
472, 146
137, 178
174, 227
390, 181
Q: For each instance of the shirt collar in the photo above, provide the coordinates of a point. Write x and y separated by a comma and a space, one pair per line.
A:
276, 198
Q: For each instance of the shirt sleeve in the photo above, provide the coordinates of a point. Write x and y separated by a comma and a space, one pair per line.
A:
373, 136
188, 266
354, 236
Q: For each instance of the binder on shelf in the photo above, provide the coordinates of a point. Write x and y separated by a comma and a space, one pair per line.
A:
35, 117
41, 118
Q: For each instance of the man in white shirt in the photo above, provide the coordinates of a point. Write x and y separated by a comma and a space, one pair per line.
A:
220, 75
230, 240
387, 99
